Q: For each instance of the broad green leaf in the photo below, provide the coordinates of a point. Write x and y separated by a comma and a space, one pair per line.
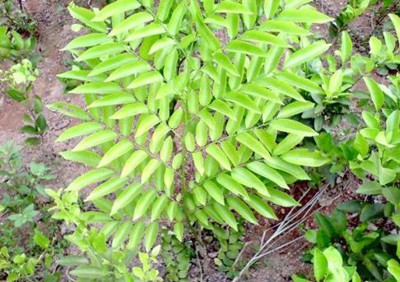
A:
136, 234
146, 79
129, 69
121, 234
102, 50
306, 54
116, 8
147, 31
219, 156
113, 100
346, 47
261, 207
133, 21
93, 176
305, 157
281, 199
96, 88
295, 108
253, 144
106, 188
158, 207
69, 109
262, 92
243, 47
214, 191
396, 23
144, 203
226, 215
151, 235
95, 139
225, 63
303, 16
267, 172
299, 82
370, 188
243, 101
264, 37
121, 148
149, 169
294, 127
247, 178
127, 196
231, 8
145, 123
241, 208
130, 111
79, 130
112, 63
88, 271
133, 161
376, 93
161, 44
88, 40
232, 185
320, 265
85, 157
284, 27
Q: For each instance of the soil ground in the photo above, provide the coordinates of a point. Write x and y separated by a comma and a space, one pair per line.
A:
53, 22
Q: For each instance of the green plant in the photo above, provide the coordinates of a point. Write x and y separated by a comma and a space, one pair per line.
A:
20, 78
182, 130
13, 16
13, 46
176, 257
23, 251
329, 266
231, 243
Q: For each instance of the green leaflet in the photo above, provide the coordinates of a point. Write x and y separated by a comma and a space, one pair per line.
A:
90, 177
95, 139
261, 207
126, 197
96, 88
88, 40
264, 37
130, 111
291, 126
144, 203
280, 198
151, 235
306, 54
149, 30
101, 51
232, 7
243, 47
132, 22
303, 16
79, 130
85, 157
106, 188
241, 208
304, 157
129, 69
248, 179
267, 172
115, 8
253, 144
219, 156
112, 63
69, 110
226, 215
113, 100
214, 191
231, 185
116, 151
375, 92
